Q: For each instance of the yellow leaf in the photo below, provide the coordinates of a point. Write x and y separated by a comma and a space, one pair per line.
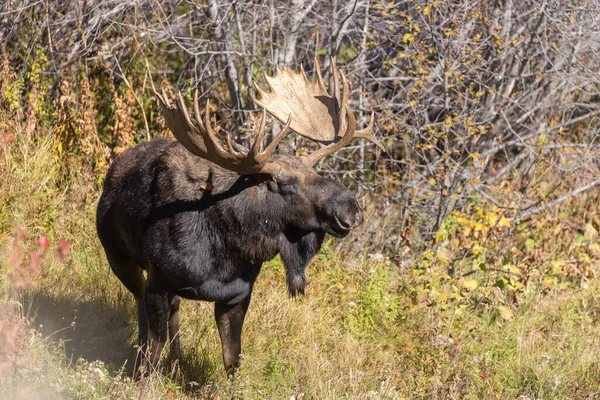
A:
442, 297
408, 38
590, 232
541, 140
59, 148
207, 186
470, 284
491, 218
478, 226
504, 222
426, 10
515, 270
595, 249
444, 255
432, 181
448, 32
505, 313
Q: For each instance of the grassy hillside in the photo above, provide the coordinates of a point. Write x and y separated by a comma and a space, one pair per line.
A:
514, 316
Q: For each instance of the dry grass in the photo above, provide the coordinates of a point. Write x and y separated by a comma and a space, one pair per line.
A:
359, 332
518, 317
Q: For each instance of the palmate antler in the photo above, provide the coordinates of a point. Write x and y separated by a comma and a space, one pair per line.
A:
304, 106
315, 114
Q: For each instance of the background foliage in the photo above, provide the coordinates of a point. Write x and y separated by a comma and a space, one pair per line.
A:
476, 273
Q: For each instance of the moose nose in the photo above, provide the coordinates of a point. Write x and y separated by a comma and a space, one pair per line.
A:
348, 221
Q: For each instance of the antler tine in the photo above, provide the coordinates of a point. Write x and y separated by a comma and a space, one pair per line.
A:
318, 74
261, 133
342, 103
303, 72
271, 147
258, 90
183, 108
268, 78
232, 150
369, 129
367, 133
210, 133
178, 121
163, 99
314, 158
197, 114
336, 82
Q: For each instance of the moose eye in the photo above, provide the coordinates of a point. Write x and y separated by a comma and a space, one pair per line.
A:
287, 187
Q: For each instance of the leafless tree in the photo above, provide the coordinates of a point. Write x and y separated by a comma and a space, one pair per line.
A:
471, 97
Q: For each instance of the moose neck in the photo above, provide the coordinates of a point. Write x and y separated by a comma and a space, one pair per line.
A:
249, 217
255, 221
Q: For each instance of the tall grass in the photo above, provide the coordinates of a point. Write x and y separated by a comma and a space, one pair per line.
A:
514, 316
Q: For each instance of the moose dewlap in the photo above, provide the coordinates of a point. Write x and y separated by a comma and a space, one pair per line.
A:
157, 215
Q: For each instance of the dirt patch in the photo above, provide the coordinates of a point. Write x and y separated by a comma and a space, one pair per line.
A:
88, 330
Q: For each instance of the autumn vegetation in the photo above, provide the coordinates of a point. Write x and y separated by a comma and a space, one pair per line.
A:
475, 274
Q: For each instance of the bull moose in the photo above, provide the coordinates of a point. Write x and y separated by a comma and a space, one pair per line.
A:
201, 217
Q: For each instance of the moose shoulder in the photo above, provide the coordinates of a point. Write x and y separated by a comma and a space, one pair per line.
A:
201, 219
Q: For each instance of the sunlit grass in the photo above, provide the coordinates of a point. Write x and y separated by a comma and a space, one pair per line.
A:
367, 328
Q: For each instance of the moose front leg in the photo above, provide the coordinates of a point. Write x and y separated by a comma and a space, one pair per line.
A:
174, 301
158, 310
230, 319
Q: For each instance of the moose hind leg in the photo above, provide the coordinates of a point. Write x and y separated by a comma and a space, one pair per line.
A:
230, 320
132, 277
175, 349
142, 326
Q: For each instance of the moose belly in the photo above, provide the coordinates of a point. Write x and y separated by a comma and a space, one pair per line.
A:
213, 290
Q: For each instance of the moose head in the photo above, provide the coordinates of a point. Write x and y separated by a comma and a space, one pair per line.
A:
312, 202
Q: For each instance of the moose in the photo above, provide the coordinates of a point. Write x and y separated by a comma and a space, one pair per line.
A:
200, 216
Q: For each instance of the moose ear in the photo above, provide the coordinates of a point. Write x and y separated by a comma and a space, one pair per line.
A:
284, 149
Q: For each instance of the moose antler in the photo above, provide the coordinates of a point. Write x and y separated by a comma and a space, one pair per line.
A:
305, 106
200, 139
315, 114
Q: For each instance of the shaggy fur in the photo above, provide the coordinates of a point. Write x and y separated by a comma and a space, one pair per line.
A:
201, 232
